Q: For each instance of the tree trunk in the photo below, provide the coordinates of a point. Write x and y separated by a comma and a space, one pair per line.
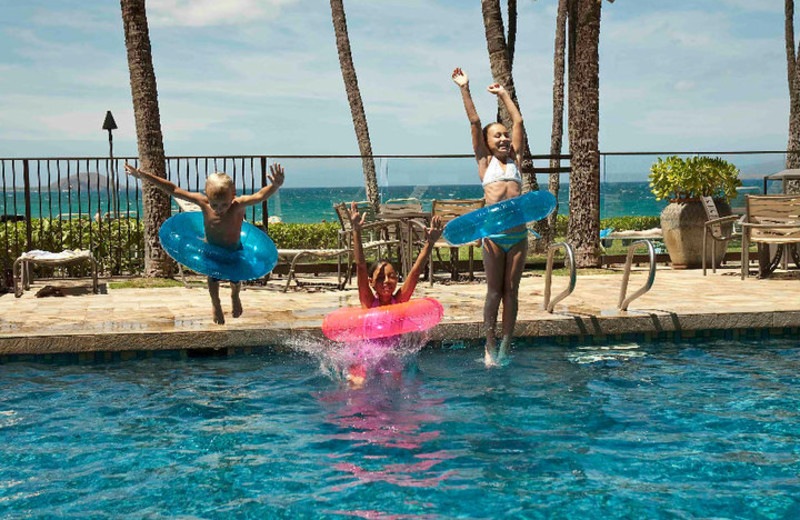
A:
557, 131
501, 72
511, 41
792, 69
156, 204
354, 98
584, 121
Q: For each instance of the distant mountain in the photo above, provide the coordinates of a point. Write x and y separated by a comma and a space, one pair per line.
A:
87, 181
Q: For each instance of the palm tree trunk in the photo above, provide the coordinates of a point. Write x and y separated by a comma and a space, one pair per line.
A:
793, 76
584, 121
501, 72
354, 98
511, 41
557, 131
156, 204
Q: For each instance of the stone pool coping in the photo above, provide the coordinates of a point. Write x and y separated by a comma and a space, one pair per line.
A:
681, 304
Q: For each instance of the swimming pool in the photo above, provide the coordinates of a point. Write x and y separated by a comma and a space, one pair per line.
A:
625, 431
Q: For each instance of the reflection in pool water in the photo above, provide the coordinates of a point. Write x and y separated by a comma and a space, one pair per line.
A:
674, 431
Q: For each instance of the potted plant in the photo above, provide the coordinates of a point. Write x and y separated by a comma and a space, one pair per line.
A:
683, 182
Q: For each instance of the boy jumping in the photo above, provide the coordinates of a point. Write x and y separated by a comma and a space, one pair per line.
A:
223, 214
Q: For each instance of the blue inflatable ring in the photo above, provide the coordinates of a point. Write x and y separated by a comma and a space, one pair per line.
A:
499, 217
183, 237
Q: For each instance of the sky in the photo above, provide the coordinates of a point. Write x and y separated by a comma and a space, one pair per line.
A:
262, 77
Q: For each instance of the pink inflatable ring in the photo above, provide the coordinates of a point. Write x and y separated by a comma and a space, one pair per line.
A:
358, 324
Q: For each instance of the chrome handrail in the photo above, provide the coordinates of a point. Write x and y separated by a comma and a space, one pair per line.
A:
570, 254
623, 301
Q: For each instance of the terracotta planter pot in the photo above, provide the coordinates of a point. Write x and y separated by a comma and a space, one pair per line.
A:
682, 225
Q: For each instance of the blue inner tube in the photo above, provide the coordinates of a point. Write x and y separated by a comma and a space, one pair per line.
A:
499, 217
183, 237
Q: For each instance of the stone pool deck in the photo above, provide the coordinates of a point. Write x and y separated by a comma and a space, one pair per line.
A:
177, 318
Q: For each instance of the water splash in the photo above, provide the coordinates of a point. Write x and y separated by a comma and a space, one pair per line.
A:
365, 359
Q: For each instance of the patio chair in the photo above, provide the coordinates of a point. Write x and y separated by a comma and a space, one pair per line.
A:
376, 234
769, 220
719, 229
447, 210
404, 212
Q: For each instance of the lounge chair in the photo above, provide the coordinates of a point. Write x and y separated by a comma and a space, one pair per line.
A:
22, 266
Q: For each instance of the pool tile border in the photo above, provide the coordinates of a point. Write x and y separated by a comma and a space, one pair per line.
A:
673, 336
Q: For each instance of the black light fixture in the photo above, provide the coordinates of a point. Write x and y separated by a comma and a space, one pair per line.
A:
109, 124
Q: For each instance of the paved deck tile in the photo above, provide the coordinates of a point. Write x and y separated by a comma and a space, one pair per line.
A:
176, 318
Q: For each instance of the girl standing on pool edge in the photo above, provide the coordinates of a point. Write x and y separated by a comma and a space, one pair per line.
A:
504, 253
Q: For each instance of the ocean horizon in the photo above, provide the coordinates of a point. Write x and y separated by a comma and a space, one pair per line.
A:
316, 204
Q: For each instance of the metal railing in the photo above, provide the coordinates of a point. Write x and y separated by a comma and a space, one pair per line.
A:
549, 305
623, 300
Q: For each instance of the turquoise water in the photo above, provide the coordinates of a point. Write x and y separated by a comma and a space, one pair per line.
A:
316, 204
629, 431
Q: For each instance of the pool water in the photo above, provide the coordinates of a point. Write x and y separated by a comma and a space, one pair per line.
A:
627, 431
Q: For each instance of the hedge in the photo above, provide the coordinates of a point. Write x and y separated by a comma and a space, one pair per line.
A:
118, 244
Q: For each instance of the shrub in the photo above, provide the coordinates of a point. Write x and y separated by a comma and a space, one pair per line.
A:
305, 236
116, 245
692, 178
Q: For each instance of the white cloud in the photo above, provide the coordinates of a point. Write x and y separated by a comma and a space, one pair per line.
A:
200, 13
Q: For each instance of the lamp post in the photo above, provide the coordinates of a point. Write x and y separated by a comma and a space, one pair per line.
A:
109, 124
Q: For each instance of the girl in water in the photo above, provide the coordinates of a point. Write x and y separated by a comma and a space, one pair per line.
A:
378, 286
498, 154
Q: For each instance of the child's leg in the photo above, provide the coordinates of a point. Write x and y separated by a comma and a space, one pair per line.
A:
515, 265
237, 303
216, 306
494, 266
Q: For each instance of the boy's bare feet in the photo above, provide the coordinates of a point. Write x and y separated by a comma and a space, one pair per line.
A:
216, 313
235, 300
216, 307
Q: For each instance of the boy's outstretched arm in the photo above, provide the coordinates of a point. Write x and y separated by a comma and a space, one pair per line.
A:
517, 127
275, 177
478, 143
433, 234
166, 186
365, 295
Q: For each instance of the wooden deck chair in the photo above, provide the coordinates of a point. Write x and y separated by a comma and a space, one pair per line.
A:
405, 212
377, 235
448, 209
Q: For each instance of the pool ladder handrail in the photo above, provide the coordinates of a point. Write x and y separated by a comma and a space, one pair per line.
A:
623, 301
570, 256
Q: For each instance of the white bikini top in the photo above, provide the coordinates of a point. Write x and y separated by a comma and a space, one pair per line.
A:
494, 172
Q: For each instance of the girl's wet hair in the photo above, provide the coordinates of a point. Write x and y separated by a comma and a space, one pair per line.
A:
486, 130
377, 265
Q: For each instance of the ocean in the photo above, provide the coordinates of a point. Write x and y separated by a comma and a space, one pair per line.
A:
305, 205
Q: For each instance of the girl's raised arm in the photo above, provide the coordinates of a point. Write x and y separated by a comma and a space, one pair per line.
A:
478, 143
365, 295
517, 127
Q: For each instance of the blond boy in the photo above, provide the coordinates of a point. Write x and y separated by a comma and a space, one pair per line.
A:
223, 214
